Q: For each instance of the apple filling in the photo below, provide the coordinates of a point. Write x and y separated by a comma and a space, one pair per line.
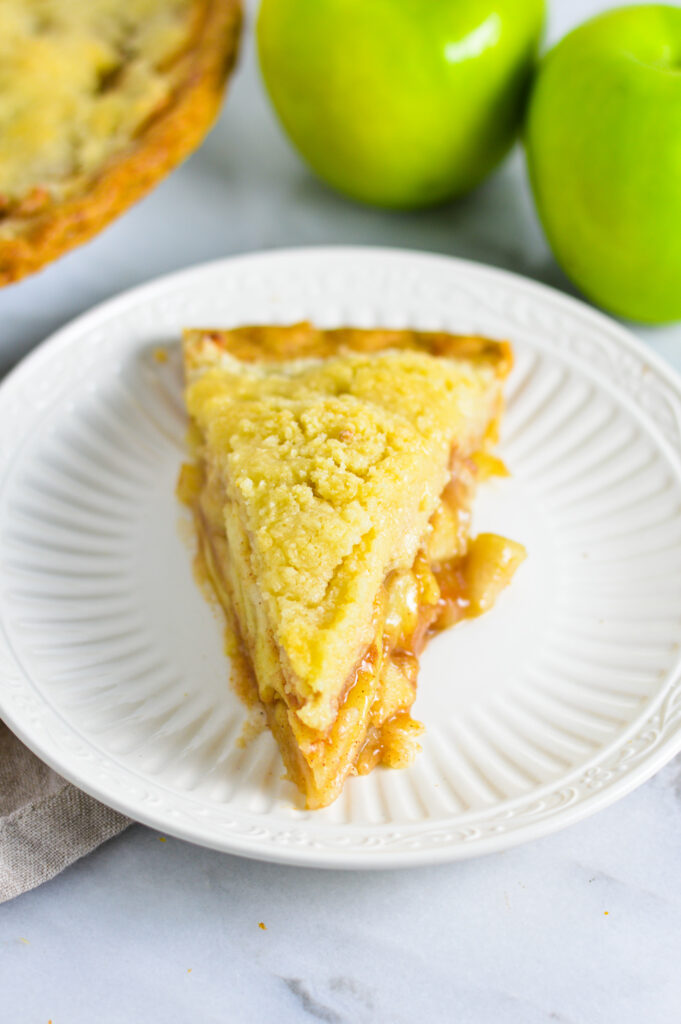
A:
451, 578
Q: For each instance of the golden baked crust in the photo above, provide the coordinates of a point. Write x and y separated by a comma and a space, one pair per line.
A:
45, 218
332, 496
265, 343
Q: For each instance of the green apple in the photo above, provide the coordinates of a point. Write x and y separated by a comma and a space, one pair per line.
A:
603, 141
402, 103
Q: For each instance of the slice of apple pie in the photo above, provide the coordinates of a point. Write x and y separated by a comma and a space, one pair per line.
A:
332, 491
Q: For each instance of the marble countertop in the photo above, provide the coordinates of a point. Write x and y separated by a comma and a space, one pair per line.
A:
580, 928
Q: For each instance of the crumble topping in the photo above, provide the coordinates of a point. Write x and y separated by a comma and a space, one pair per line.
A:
336, 465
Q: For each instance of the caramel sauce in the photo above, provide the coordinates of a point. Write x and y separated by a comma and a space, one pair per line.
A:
393, 744
488, 465
454, 603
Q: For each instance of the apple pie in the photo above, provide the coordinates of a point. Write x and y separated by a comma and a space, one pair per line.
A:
98, 100
332, 485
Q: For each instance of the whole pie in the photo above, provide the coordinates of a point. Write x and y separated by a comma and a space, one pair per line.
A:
332, 490
98, 100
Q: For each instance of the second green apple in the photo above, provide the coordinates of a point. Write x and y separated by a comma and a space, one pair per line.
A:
603, 144
401, 103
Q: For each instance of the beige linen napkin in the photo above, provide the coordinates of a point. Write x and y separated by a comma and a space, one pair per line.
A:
45, 822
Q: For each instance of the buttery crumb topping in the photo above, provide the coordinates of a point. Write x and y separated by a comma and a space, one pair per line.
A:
336, 464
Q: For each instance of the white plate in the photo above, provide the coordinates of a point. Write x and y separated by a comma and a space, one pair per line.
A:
563, 698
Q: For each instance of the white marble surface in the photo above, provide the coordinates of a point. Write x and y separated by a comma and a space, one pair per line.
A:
580, 928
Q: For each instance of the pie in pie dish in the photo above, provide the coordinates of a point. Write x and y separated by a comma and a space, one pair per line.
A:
98, 100
332, 490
